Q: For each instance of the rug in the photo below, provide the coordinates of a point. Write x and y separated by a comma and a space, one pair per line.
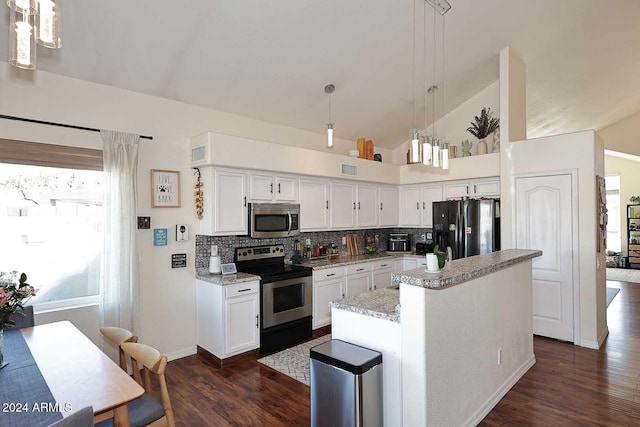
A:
294, 361
611, 294
623, 275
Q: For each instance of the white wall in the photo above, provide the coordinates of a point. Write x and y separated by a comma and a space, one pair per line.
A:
622, 136
629, 171
583, 151
454, 125
167, 296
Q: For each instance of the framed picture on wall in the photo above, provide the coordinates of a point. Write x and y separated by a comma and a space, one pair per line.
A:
165, 189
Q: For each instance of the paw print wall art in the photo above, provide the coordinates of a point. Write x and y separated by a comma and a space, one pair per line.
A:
165, 189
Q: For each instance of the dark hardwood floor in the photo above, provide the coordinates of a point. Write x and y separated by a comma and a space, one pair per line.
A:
568, 385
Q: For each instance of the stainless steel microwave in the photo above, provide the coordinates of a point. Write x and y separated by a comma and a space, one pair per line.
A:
267, 220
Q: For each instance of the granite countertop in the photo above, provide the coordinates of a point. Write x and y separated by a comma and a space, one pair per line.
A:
382, 304
356, 259
228, 279
465, 269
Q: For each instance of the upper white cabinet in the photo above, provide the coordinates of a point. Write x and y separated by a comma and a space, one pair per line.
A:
314, 204
388, 213
272, 188
489, 187
230, 202
416, 209
367, 205
342, 205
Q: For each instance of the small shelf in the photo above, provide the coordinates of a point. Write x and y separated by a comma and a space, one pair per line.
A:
633, 235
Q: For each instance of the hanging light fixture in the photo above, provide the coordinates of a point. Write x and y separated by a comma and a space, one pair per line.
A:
435, 150
31, 22
414, 146
329, 89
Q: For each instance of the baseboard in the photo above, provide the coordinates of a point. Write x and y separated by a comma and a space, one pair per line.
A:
603, 336
189, 351
593, 344
484, 410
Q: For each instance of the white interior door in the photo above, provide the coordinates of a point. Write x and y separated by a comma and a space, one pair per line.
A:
544, 216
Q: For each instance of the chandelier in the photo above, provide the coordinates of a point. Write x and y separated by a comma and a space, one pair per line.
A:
431, 150
31, 23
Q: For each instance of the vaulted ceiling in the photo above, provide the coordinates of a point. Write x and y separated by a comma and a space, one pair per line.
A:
270, 60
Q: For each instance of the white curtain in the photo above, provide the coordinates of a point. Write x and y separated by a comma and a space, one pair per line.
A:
119, 281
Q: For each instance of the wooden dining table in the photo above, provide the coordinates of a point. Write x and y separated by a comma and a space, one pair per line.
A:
79, 374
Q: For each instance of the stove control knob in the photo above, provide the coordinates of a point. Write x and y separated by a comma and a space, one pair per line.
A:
244, 254
249, 251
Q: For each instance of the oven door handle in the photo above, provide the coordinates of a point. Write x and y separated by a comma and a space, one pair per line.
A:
290, 220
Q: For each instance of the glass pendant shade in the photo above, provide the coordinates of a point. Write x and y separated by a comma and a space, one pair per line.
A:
436, 153
329, 135
21, 40
23, 6
426, 151
445, 155
415, 146
48, 24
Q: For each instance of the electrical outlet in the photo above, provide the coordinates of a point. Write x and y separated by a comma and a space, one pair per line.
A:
376, 238
344, 240
423, 237
499, 356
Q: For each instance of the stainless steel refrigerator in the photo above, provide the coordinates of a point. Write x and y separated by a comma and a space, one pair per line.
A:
469, 227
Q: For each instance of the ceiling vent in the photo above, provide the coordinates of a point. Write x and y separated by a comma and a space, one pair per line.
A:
348, 170
198, 154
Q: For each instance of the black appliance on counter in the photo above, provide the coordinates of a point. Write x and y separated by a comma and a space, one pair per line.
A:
399, 242
469, 227
285, 296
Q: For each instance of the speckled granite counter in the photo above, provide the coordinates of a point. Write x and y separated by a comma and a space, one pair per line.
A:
355, 259
465, 269
381, 303
229, 279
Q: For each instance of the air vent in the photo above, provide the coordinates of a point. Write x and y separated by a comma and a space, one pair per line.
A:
198, 154
349, 170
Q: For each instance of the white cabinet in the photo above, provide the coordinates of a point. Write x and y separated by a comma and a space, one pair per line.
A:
328, 285
416, 204
272, 188
367, 205
230, 202
381, 273
413, 263
358, 279
228, 317
342, 205
314, 204
388, 199
477, 188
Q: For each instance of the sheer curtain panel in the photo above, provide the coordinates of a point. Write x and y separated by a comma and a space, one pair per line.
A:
119, 283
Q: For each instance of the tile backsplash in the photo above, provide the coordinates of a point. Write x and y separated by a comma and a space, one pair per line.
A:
227, 244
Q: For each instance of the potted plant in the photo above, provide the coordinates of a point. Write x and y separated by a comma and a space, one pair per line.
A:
482, 127
14, 293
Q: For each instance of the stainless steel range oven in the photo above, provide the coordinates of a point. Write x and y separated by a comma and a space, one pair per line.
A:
285, 296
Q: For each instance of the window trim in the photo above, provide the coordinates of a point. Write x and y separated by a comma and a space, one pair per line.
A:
65, 304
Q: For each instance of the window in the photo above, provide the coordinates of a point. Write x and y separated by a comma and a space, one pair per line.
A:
51, 224
614, 238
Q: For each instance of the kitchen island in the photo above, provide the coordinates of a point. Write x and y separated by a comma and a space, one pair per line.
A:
453, 342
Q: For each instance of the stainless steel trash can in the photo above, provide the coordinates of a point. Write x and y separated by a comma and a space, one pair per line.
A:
346, 385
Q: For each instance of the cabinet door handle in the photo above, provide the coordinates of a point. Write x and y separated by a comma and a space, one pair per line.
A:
418, 205
278, 188
374, 287
244, 290
332, 274
354, 206
271, 190
245, 201
360, 269
327, 204
358, 205
383, 265
342, 295
257, 322
380, 206
424, 206
474, 188
467, 190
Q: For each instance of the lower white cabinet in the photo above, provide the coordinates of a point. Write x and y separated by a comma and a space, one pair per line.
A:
228, 317
413, 263
381, 273
328, 285
358, 279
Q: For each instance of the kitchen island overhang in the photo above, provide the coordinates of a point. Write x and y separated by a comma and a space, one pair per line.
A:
466, 337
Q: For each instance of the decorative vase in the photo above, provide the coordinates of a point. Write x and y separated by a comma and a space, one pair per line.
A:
360, 145
453, 152
482, 147
495, 147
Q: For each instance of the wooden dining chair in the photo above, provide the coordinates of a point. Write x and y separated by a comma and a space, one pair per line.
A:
80, 418
119, 336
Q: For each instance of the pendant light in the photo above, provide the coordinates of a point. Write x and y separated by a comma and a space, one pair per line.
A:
414, 146
31, 22
329, 89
